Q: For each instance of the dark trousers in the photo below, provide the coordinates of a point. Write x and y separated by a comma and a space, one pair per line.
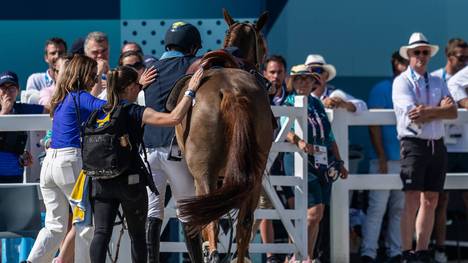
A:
107, 195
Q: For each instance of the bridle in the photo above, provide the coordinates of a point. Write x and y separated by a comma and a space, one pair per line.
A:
252, 27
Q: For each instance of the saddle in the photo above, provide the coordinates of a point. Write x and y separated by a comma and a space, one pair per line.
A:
214, 59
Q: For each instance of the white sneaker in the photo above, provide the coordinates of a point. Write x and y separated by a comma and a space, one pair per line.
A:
440, 257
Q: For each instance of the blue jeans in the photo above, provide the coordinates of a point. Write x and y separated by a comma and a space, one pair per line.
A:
378, 201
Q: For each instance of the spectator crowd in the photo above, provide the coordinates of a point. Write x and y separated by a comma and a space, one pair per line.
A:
420, 147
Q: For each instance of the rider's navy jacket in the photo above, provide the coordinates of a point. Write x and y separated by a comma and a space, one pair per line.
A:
171, 67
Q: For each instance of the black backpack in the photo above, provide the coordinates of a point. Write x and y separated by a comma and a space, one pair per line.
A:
107, 148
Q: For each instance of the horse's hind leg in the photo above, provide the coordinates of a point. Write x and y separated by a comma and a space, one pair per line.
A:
210, 234
244, 227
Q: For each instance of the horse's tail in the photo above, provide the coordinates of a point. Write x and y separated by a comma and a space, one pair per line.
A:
243, 170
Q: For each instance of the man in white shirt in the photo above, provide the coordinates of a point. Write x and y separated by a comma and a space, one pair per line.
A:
54, 48
420, 102
329, 95
455, 139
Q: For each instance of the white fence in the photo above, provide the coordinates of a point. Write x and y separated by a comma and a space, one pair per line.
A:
297, 116
341, 120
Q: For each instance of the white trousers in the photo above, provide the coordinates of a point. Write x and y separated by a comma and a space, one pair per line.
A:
163, 170
59, 172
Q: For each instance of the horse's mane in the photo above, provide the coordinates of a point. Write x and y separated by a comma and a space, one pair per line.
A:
242, 36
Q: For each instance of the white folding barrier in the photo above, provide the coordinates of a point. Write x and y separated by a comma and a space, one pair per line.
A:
297, 231
341, 120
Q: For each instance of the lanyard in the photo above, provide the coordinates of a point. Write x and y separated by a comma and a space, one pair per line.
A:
444, 75
418, 90
316, 121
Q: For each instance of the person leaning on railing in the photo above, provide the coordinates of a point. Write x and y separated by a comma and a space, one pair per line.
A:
324, 161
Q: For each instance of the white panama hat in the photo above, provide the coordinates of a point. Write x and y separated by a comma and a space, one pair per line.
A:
318, 60
418, 39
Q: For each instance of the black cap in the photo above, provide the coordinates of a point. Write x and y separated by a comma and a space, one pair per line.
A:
184, 35
9, 77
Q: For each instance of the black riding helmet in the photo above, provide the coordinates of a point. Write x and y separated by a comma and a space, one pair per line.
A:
184, 35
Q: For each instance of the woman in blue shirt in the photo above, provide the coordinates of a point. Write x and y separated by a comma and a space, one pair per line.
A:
71, 104
321, 147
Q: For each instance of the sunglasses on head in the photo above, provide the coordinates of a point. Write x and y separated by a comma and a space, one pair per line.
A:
136, 65
424, 52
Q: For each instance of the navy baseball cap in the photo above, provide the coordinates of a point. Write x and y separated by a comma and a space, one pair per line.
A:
9, 77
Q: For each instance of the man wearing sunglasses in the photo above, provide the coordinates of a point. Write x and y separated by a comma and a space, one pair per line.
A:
455, 139
329, 95
421, 102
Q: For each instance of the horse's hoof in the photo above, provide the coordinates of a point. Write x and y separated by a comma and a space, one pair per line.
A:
246, 260
206, 252
214, 257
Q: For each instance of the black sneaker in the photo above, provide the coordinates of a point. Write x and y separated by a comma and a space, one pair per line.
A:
367, 259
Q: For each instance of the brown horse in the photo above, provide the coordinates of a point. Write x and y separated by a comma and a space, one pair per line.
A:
228, 134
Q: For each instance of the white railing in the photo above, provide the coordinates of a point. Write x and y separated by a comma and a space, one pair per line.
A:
296, 116
341, 120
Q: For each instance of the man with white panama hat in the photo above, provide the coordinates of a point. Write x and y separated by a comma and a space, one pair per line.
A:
329, 95
421, 102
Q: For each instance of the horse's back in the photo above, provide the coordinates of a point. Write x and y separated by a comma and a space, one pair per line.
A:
204, 134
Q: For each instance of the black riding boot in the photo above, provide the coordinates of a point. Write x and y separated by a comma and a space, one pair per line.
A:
153, 234
194, 245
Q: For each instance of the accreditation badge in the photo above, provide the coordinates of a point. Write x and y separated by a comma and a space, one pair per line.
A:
320, 155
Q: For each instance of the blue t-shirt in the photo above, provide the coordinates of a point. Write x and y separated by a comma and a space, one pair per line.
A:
65, 125
9, 162
381, 98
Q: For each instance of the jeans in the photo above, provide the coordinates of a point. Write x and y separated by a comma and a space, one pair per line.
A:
59, 171
107, 195
378, 200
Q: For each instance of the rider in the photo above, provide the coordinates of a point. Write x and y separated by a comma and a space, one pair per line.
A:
182, 42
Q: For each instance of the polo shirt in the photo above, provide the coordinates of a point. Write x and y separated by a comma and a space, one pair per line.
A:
38, 81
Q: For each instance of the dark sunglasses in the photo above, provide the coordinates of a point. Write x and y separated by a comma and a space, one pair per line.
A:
419, 52
136, 65
318, 70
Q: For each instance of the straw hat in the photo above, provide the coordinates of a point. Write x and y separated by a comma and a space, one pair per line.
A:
319, 61
418, 39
